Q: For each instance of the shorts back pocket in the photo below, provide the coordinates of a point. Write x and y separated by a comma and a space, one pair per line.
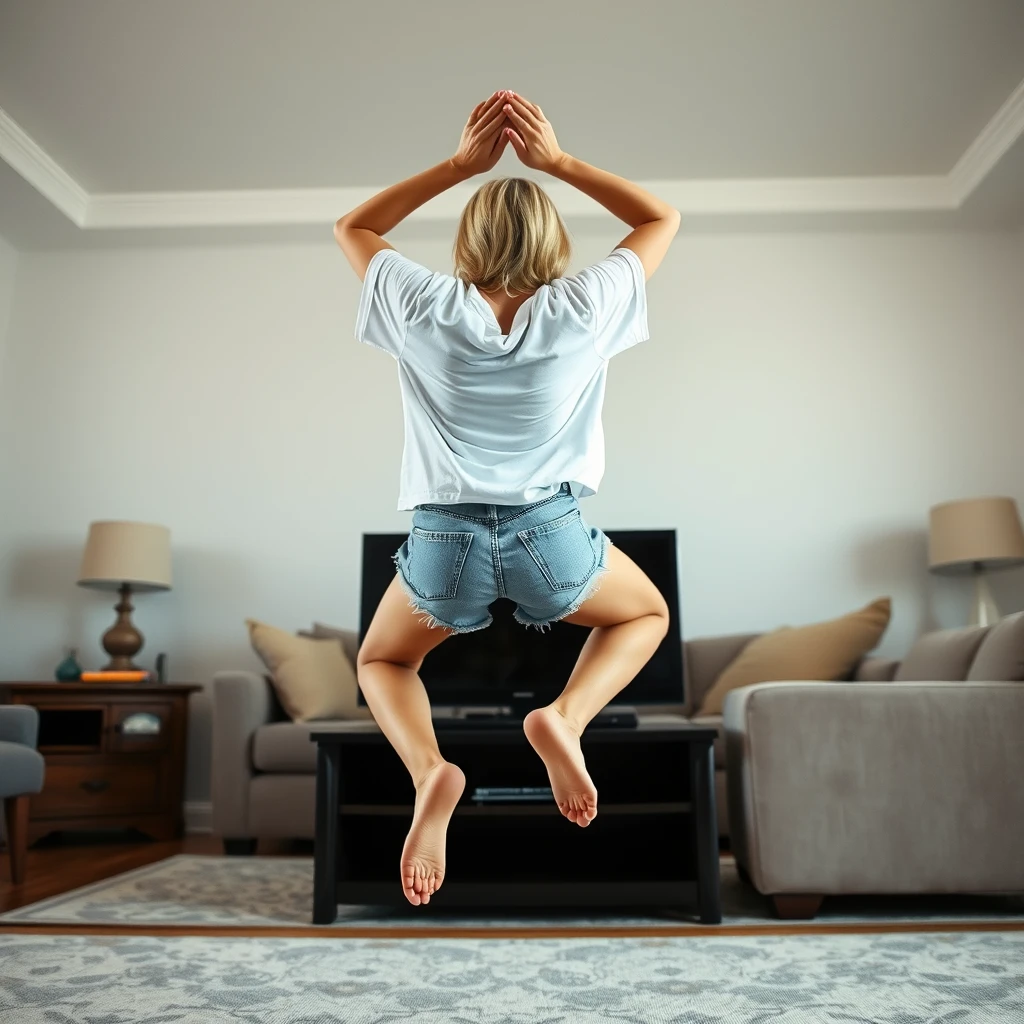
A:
563, 549
435, 562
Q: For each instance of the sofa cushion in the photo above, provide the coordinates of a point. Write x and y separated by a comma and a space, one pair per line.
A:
821, 651
705, 658
286, 746
942, 656
1001, 654
313, 679
875, 670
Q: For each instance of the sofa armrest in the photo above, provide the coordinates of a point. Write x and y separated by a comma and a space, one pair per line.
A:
242, 702
876, 670
19, 723
833, 784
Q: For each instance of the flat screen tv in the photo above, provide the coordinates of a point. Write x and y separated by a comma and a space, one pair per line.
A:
509, 665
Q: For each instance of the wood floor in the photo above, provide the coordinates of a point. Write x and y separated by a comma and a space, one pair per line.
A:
59, 864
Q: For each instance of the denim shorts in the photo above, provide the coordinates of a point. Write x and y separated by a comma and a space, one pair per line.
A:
460, 558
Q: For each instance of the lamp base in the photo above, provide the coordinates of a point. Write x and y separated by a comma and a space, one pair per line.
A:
985, 611
122, 641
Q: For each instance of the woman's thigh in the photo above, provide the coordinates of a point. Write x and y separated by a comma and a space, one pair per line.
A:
626, 593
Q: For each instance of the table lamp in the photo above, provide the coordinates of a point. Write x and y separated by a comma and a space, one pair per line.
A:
125, 557
972, 536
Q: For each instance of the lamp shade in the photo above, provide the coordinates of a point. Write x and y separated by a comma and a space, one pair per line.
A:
977, 533
135, 553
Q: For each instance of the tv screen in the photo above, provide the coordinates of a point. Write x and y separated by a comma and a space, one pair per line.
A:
508, 663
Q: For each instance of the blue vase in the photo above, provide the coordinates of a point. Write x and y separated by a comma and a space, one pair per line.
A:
69, 671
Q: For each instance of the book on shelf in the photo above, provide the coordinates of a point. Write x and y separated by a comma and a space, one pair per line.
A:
512, 794
117, 676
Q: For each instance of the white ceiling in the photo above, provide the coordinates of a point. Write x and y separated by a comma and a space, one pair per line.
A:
193, 95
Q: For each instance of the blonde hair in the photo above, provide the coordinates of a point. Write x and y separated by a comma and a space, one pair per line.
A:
511, 236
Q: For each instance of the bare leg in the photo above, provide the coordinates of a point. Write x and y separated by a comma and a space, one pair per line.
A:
387, 668
630, 619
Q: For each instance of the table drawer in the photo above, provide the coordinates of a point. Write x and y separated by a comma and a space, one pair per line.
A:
98, 789
140, 726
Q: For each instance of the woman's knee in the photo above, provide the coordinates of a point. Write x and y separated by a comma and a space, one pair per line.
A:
662, 613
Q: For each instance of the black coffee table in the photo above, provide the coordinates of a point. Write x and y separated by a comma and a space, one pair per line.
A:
654, 842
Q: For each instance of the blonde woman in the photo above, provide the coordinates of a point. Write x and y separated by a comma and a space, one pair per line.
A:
502, 369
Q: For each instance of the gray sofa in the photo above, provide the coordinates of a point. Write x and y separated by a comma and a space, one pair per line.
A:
263, 764
22, 769
911, 784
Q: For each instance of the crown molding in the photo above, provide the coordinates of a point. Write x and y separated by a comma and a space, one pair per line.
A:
989, 147
41, 171
693, 198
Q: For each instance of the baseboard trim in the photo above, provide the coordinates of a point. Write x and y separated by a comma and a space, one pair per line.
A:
198, 817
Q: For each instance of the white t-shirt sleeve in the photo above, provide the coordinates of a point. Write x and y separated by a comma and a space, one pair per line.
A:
615, 292
391, 287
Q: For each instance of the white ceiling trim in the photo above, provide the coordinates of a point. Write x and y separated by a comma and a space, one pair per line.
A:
324, 206
990, 146
736, 197
36, 166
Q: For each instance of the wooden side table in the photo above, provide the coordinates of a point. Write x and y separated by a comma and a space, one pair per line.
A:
115, 755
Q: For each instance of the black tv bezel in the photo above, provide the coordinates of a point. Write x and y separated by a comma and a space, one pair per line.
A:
673, 638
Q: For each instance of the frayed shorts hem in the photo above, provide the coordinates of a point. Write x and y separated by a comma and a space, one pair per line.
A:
592, 587
428, 617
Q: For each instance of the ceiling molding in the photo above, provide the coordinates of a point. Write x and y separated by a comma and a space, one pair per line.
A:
41, 171
990, 146
693, 198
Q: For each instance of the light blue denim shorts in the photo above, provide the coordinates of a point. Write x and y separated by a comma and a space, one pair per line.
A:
460, 558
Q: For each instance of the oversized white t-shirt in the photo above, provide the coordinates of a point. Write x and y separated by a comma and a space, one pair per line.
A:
501, 418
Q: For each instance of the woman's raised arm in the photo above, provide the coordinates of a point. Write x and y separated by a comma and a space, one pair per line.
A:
654, 222
359, 231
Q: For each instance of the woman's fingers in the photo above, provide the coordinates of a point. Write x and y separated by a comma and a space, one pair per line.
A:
486, 128
531, 107
501, 140
517, 142
491, 106
482, 105
527, 118
518, 120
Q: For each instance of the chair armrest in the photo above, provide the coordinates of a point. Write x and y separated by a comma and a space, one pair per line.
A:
876, 670
920, 780
242, 702
19, 723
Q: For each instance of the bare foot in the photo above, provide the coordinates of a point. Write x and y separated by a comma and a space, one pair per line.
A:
559, 748
423, 854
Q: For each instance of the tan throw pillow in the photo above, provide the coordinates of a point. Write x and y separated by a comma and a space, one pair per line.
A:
313, 678
349, 638
822, 651
1001, 654
942, 656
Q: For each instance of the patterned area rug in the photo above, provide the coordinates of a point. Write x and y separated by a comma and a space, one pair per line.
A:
962, 977
248, 892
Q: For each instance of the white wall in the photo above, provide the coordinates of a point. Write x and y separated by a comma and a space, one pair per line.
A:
8, 273
803, 400
8, 279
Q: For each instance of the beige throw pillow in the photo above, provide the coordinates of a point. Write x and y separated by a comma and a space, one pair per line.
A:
822, 651
313, 678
